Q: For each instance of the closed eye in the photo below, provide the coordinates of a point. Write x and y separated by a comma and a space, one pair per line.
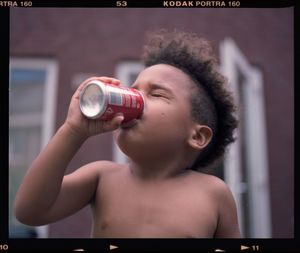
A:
157, 95
155, 90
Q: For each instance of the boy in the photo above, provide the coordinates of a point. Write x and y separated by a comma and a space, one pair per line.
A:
186, 124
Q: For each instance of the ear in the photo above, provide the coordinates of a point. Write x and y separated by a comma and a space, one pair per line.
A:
200, 137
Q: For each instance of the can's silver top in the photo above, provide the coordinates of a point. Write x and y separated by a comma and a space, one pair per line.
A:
92, 99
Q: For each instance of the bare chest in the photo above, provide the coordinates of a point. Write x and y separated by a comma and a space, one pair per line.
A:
160, 212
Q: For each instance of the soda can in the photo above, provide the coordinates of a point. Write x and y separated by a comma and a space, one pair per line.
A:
99, 100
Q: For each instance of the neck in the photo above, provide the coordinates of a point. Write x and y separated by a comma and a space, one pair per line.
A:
160, 168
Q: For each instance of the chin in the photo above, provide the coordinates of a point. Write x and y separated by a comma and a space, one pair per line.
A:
135, 146
127, 143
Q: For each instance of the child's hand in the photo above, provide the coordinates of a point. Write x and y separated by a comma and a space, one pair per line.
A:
87, 127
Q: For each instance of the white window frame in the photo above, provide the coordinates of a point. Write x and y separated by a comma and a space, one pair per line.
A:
123, 72
50, 101
256, 156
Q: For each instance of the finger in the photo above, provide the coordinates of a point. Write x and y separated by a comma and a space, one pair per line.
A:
104, 79
81, 86
114, 123
109, 80
117, 120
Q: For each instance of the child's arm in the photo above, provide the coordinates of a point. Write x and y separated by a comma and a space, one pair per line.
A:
45, 194
227, 226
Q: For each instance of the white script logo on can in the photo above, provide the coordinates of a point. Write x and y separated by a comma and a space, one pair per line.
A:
99, 100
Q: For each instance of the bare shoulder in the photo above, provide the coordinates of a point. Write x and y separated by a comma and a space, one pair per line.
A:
89, 174
102, 165
107, 167
98, 168
220, 194
210, 183
218, 186
217, 189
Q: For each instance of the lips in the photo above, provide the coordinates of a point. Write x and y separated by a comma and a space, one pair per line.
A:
129, 124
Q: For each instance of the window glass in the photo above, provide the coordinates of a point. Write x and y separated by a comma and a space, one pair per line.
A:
27, 110
26, 90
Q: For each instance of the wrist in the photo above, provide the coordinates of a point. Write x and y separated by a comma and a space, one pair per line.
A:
74, 133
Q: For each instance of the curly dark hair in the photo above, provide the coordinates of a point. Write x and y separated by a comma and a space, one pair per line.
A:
212, 104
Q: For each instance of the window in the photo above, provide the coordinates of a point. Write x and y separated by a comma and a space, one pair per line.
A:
246, 166
32, 100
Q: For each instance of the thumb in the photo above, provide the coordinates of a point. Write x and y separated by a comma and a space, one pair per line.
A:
114, 123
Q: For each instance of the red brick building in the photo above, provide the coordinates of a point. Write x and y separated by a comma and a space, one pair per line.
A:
52, 50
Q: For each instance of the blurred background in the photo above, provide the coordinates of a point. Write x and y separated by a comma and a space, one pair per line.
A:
53, 50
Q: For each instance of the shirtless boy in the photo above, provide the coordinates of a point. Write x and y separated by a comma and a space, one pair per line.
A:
186, 125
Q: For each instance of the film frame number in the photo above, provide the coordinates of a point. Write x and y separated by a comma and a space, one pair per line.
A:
121, 3
3, 247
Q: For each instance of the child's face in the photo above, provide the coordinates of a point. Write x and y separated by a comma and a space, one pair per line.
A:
166, 121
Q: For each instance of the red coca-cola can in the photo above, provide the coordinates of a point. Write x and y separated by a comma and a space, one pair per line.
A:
99, 100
